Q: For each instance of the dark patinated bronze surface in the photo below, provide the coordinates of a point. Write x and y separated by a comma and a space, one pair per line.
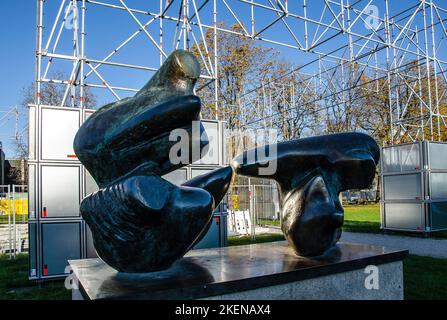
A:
139, 221
210, 272
142, 223
131, 136
311, 173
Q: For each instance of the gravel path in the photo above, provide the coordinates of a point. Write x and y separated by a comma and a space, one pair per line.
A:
436, 248
419, 246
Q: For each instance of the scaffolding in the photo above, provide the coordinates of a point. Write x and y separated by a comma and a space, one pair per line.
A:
350, 50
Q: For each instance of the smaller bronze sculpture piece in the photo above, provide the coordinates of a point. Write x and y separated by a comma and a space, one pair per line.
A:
139, 221
310, 174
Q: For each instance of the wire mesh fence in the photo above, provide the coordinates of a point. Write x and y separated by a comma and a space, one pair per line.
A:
253, 208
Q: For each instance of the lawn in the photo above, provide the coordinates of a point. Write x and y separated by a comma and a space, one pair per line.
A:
265, 237
268, 222
19, 218
425, 278
362, 218
14, 283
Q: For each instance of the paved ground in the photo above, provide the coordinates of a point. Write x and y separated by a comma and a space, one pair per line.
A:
419, 246
435, 248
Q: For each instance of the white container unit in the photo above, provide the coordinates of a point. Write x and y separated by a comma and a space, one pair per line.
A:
414, 187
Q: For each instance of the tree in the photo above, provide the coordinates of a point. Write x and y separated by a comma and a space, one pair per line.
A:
256, 90
290, 98
411, 88
374, 117
242, 66
52, 94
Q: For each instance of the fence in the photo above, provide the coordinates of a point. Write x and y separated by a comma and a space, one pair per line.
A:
253, 207
13, 219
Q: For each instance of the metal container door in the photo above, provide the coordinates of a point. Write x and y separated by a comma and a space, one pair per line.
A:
402, 187
58, 127
60, 242
60, 191
404, 216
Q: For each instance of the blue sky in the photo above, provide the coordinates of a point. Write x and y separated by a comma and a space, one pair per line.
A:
108, 28
17, 34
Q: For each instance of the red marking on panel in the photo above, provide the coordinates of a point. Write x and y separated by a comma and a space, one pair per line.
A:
45, 270
44, 212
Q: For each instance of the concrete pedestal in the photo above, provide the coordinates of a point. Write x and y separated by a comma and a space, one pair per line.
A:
260, 271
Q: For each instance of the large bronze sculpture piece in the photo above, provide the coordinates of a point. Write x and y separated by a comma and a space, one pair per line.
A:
142, 223
139, 221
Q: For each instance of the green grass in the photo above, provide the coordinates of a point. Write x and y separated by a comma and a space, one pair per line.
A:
425, 278
359, 218
362, 218
260, 238
14, 283
19, 219
268, 222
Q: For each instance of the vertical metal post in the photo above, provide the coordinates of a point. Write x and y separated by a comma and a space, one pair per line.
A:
216, 67
252, 19
388, 40
306, 34
82, 61
428, 69
14, 219
376, 72
8, 196
255, 211
73, 79
351, 63
397, 94
421, 105
160, 24
435, 69
184, 23
250, 208
39, 24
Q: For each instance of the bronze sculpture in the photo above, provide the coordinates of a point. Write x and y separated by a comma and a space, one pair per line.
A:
311, 173
142, 223
139, 221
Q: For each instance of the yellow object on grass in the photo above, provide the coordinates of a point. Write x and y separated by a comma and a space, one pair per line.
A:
19, 206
